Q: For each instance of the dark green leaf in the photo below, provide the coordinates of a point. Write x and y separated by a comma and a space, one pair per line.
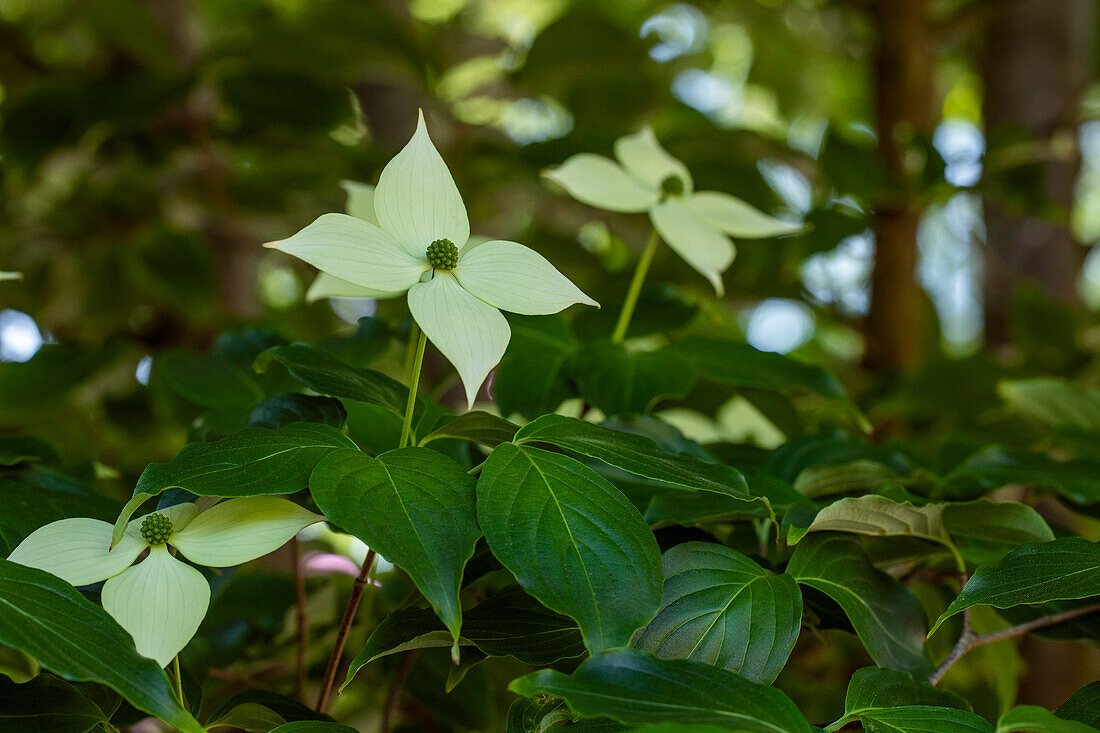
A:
690, 509
996, 466
415, 507
635, 687
1082, 706
1033, 719
1063, 569
48, 619
617, 380
531, 377
47, 377
207, 381
1055, 402
511, 623
743, 366
46, 704
16, 449
313, 726
885, 614
722, 609
634, 454
249, 463
878, 687
923, 719
844, 478
260, 711
572, 540
283, 409
477, 427
534, 716
326, 375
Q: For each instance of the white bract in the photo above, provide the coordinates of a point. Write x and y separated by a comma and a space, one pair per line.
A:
161, 601
455, 291
696, 224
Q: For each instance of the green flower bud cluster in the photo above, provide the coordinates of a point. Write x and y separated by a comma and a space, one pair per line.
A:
156, 529
672, 186
442, 255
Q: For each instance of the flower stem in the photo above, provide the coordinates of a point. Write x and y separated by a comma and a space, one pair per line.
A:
414, 383
179, 680
345, 628
635, 289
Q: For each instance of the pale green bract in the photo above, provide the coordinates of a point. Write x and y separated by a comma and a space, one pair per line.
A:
696, 224
415, 204
161, 601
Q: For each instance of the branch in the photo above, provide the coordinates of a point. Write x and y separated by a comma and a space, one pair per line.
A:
969, 640
345, 628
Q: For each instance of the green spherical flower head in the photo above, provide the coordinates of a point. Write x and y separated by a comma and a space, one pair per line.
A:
156, 529
442, 255
672, 186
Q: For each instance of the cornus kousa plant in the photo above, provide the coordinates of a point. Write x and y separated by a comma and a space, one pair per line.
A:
161, 600
650, 525
420, 246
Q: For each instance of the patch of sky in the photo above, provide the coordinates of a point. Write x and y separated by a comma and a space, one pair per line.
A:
779, 325
20, 338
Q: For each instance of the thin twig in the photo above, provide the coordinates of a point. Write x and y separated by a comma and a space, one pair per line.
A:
345, 628
303, 617
965, 643
393, 697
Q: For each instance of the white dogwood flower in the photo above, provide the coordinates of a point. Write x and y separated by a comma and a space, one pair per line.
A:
696, 224
419, 243
161, 601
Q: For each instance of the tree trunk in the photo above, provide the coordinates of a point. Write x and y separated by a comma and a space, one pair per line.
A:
905, 101
1038, 60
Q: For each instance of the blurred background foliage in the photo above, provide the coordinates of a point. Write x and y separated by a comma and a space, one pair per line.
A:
946, 154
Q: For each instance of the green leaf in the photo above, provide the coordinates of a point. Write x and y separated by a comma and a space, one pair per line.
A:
260, 711
283, 409
476, 427
313, 726
46, 703
741, 365
16, 449
616, 380
1082, 706
1033, 719
1006, 522
634, 454
415, 507
845, 478
538, 716
531, 378
1063, 569
207, 381
722, 609
572, 540
326, 375
632, 686
248, 463
48, 619
690, 509
996, 466
922, 719
877, 687
511, 623
884, 613
1056, 402
879, 517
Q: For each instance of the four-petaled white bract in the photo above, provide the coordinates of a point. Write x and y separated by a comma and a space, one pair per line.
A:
696, 224
415, 204
161, 601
